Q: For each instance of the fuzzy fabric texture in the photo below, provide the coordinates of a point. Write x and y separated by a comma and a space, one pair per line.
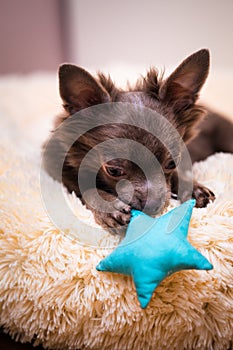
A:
50, 291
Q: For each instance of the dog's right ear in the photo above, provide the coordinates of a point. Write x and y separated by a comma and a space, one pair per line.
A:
79, 90
181, 88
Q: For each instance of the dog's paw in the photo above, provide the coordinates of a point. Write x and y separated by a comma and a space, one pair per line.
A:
109, 211
116, 219
203, 195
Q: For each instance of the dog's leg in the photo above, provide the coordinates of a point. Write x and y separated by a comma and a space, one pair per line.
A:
202, 194
180, 188
109, 211
216, 135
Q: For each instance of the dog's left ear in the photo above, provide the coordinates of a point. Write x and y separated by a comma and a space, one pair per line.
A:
181, 88
180, 92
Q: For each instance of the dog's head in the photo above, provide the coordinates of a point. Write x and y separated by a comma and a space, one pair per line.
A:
174, 98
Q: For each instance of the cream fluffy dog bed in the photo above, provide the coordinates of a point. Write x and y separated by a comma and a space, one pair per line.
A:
50, 291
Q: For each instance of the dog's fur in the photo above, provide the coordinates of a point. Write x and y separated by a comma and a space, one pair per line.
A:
174, 98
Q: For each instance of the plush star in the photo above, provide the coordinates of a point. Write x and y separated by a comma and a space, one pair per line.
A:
154, 249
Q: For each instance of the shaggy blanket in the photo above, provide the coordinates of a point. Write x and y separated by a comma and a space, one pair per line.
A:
50, 291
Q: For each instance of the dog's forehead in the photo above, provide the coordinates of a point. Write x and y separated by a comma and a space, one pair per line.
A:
151, 139
138, 99
131, 97
146, 140
139, 147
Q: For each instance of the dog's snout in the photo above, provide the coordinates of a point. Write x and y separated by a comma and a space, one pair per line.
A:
149, 206
150, 197
154, 199
153, 206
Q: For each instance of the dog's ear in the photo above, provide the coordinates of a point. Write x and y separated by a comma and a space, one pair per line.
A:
78, 89
181, 88
180, 92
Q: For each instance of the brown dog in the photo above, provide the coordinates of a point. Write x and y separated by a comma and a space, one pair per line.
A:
175, 99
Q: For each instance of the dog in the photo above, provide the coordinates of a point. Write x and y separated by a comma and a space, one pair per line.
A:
175, 98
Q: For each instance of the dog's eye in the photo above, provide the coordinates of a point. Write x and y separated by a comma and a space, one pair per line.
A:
115, 171
170, 164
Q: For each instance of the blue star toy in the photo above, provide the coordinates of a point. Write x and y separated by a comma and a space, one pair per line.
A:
154, 249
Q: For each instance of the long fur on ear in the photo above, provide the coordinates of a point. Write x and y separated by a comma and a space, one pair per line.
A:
79, 89
179, 91
181, 88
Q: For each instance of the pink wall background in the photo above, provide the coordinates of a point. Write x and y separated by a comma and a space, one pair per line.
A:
38, 35
31, 35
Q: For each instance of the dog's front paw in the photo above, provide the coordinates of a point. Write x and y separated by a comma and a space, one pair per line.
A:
203, 195
109, 211
116, 219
